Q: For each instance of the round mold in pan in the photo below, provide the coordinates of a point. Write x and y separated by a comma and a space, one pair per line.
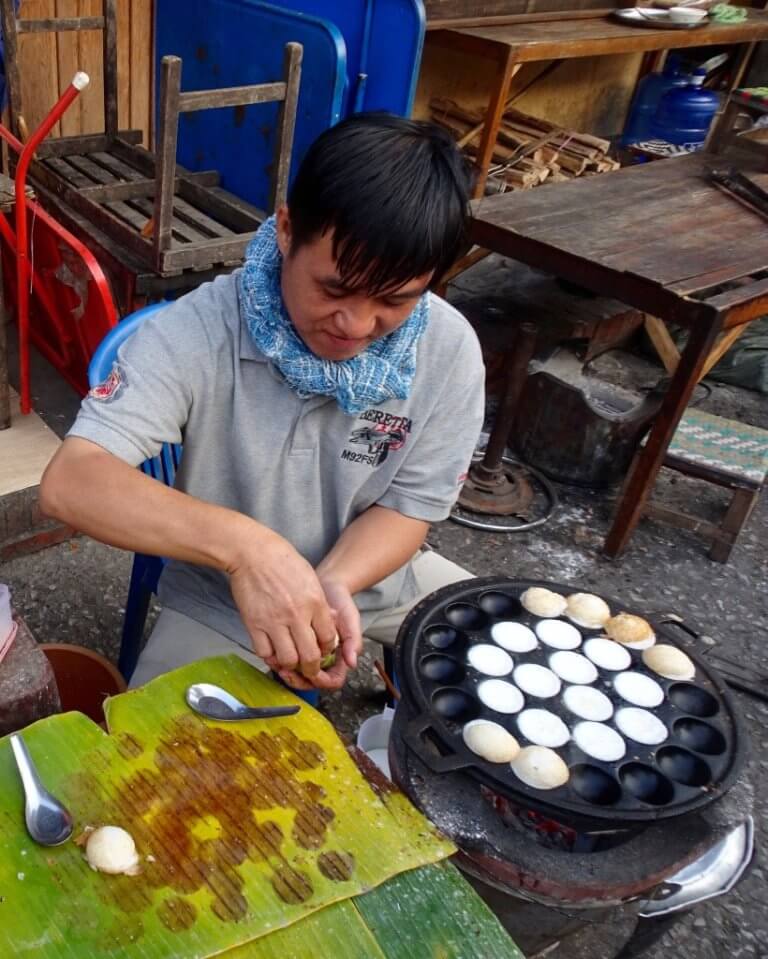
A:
466, 616
607, 655
573, 668
488, 659
587, 702
558, 634
542, 728
699, 736
500, 605
595, 785
537, 681
638, 689
500, 696
446, 638
682, 766
514, 637
589, 808
641, 726
441, 669
692, 699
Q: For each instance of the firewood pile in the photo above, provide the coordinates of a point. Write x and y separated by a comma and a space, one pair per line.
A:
528, 150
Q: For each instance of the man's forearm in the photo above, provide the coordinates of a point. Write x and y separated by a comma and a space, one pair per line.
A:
376, 544
102, 496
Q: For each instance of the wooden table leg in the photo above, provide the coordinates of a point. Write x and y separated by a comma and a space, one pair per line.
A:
507, 68
670, 355
726, 112
648, 461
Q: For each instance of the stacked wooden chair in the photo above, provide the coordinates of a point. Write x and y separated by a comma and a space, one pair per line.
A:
156, 227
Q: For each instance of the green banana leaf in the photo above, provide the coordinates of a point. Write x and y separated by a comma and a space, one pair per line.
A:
241, 828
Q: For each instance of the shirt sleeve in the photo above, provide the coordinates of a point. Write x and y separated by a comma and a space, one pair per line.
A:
428, 482
146, 399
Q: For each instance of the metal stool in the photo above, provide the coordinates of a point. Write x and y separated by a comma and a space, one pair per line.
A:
721, 451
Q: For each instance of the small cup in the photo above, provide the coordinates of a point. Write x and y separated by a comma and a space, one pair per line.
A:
686, 14
373, 738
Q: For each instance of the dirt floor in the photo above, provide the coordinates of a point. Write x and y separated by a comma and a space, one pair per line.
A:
75, 593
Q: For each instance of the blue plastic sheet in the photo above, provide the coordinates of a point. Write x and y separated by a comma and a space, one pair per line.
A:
226, 43
384, 40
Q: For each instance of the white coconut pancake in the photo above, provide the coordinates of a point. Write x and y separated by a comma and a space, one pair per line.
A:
543, 728
543, 602
537, 680
573, 667
557, 634
587, 610
500, 696
640, 725
490, 741
670, 662
489, 660
540, 767
516, 637
638, 689
642, 644
586, 702
606, 654
630, 630
599, 741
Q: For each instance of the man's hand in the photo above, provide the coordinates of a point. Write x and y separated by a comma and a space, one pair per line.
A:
283, 605
350, 646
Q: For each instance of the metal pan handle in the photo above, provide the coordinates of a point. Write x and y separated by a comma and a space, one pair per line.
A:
413, 739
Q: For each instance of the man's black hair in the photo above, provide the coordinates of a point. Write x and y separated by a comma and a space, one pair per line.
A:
393, 191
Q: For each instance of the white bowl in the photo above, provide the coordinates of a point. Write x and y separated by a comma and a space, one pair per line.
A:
686, 14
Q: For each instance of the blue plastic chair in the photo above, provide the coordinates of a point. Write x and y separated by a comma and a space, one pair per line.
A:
146, 570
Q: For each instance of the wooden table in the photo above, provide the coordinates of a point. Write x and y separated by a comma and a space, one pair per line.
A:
511, 44
660, 239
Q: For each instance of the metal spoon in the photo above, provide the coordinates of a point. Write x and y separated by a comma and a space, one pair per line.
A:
216, 703
48, 821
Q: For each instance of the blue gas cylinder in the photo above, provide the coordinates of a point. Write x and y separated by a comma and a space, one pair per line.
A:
684, 115
649, 92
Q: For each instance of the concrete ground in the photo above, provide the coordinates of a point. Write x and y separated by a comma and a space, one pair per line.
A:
75, 593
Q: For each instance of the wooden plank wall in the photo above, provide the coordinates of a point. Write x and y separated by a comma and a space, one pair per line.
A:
49, 61
590, 94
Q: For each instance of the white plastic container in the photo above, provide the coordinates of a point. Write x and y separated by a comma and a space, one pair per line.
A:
686, 14
373, 739
6, 620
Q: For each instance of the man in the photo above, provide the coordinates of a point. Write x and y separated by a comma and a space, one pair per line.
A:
328, 406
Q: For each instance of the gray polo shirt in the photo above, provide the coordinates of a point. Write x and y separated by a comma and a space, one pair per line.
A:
192, 374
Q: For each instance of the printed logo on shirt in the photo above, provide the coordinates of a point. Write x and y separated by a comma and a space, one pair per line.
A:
382, 434
112, 386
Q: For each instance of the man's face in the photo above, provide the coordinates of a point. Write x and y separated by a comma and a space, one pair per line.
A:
337, 323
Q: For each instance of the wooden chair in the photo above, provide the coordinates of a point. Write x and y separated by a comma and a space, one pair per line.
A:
749, 101
144, 208
724, 452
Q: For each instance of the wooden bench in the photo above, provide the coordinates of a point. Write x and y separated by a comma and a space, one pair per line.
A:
727, 453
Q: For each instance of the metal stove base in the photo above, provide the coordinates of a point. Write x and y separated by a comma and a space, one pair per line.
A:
557, 932
565, 905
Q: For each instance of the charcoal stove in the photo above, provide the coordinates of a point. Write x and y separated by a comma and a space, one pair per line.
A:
566, 878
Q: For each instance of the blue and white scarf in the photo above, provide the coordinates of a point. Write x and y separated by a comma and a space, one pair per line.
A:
383, 371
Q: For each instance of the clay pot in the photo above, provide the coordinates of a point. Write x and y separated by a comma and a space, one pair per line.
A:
84, 678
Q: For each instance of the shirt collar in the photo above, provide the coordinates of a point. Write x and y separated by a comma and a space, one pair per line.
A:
248, 349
